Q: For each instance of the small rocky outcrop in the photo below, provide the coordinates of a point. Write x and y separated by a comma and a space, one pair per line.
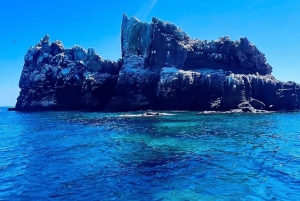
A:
161, 68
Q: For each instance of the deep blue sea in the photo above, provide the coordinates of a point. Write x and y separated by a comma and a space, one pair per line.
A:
105, 156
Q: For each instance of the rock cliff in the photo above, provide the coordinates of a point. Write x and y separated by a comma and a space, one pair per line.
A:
65, 79
161, 68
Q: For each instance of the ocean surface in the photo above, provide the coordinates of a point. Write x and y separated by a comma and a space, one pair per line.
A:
107, 156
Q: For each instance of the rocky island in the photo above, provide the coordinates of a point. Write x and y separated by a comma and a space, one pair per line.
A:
161, 68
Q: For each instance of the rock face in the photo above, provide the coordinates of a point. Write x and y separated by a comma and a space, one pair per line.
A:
161, 68
65, 79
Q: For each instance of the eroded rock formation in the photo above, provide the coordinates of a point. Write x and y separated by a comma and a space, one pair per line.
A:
161, 68
65, 79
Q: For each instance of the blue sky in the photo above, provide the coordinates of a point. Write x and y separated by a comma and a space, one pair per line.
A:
272, 25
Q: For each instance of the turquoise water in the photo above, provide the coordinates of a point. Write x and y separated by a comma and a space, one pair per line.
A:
102, 156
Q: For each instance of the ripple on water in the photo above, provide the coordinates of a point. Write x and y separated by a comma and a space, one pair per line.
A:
107, 156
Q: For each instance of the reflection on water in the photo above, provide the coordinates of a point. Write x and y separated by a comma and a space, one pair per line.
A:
107, 156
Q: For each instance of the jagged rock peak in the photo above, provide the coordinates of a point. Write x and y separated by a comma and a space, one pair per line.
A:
57, 78
162, 44
45, 39
135, 37
170, 28
133, 18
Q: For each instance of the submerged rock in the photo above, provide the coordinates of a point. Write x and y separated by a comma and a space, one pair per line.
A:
161, 68
152, 114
